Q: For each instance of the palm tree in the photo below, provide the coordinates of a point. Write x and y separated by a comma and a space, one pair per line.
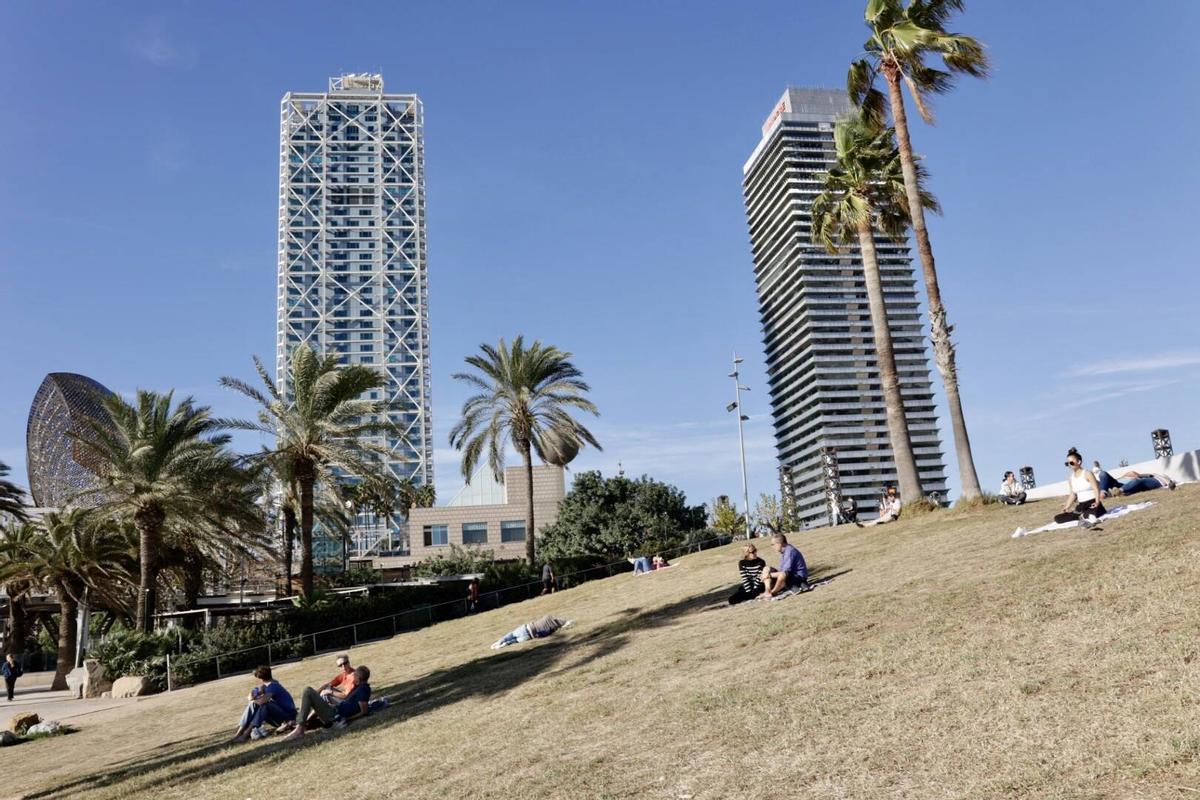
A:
319, 425
525, 397
901, 38
12, 497
154, 463
15, 541
863, 189
77, 555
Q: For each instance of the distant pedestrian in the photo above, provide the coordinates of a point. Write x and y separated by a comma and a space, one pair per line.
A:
548, 578
473, 596
1011, 492
11, 670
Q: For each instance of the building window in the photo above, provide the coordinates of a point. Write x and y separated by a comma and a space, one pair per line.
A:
512, 531
437, 535
474, 533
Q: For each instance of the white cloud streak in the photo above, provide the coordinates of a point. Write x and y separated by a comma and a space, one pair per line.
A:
1149, 364
153, 44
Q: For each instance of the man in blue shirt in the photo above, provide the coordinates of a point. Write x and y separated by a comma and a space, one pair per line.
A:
792, 575
356, 704
269, 703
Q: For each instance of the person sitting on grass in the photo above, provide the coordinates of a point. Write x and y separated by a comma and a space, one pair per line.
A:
889, 509
356, 704
1011, 492
792, 575
1140, 482
535, 629
341, 685
751, 569
269, 703
1085, 512
659, 562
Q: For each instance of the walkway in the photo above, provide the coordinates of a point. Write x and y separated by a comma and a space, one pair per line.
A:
33, 694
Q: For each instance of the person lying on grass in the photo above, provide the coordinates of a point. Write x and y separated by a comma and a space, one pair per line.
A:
751, 569
341, 685
535, 629
356, 704
792, 575
269, 703
1141, 482
659, 562
641, 565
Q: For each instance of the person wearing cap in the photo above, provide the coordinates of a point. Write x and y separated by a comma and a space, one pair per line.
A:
341, 685
1011, 492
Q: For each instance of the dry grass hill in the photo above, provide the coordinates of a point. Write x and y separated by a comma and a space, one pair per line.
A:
944, 660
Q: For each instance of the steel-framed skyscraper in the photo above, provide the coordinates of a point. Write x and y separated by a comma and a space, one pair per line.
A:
820, 354
352, 268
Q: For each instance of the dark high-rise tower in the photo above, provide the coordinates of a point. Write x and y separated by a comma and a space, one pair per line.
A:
820, 352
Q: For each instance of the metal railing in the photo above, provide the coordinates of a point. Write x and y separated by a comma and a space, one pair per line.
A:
304, 645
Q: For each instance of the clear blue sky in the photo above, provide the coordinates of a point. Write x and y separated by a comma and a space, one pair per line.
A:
584, 167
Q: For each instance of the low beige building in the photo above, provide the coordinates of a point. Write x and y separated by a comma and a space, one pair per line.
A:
486, 514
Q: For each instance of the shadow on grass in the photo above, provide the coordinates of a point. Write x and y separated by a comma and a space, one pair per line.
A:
486, 676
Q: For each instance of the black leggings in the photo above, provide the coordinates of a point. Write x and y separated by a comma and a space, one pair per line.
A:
9, 685
741, 595
1089, 507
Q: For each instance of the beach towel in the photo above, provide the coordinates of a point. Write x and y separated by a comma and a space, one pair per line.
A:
1116, 513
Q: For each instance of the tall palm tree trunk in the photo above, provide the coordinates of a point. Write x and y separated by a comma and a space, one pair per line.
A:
939, 328
67, 609
907, 474
289, 535
18, 629
306, 532
530, 555
148, 522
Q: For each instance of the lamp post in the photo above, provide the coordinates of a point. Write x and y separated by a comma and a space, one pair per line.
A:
1027, 481
737, 405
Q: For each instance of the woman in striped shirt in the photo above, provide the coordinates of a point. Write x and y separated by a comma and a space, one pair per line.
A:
751, 570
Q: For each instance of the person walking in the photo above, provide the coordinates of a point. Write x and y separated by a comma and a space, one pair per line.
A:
548, 579
11, 670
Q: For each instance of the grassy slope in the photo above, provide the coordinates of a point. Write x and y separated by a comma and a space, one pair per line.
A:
944, 660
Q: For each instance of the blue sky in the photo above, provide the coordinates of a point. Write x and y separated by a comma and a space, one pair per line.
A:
584, 167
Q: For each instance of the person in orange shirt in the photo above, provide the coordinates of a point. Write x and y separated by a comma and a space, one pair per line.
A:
342, 684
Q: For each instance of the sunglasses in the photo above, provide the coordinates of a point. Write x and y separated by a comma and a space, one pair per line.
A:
1071, 463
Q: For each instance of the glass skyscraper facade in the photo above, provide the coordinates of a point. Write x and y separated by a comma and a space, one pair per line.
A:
352, 268
817, 336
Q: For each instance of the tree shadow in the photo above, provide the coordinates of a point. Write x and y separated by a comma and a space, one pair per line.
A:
482, 677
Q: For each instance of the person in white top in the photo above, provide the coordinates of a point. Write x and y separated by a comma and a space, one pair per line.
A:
1086, 512
1011, 492
889, 509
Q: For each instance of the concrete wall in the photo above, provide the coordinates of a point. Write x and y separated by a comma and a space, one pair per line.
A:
549, 488
1182, 467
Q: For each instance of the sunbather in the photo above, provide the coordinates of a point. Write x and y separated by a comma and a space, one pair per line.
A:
641, 564
889, 509
535, 629
270, 704
750, 568
792, 574
336, 714
659, 562
1140, 482
1081, 480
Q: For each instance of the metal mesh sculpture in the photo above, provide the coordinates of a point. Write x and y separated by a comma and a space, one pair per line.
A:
58, 466
1161, 439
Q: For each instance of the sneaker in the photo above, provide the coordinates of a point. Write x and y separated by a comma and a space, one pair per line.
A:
1020, 532
805, 587
1170, 484
1087, 522
339, 723
257, 733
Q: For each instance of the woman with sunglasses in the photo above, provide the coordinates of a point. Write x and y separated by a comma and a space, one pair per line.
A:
1085, 512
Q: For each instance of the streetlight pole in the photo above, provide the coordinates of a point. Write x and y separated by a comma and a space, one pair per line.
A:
737, 405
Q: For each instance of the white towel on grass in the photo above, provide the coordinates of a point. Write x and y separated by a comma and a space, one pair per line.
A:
1111, 515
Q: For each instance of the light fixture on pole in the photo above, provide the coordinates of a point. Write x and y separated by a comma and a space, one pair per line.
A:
1161, 439
737, 405
1027, 481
